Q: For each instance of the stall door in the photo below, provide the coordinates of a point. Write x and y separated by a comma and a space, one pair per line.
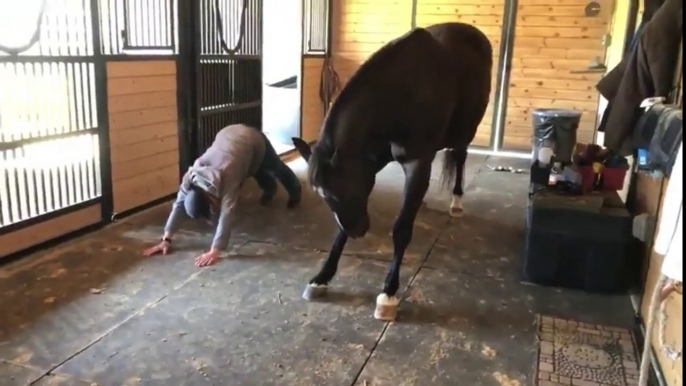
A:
229, 67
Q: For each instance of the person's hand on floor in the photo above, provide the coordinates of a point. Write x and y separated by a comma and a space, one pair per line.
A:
207, 258
163, 247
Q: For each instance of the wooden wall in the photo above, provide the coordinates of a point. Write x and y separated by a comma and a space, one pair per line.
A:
360, 27
36, 234
363, 26
553, 38
312, 110
487, 15
650, 198
143, 131
650, 192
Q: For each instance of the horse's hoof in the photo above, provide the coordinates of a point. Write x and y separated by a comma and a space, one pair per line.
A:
456, 212
456, 207
314, 291
386, 308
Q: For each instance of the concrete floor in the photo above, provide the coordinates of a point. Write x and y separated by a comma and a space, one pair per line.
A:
95, 311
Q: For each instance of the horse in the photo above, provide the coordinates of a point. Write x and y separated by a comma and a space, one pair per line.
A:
421, 93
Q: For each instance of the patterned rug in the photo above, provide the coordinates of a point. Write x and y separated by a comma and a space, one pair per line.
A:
581, 354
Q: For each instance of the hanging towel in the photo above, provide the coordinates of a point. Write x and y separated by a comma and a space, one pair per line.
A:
669, 240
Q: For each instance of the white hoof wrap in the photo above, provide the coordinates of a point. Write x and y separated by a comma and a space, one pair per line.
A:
313, 291
386, 307
456, 209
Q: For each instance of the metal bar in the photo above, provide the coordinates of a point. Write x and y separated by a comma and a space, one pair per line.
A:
115, 30
504, 70
16, 144
148, 48
329, 26
139, 58
171, 31
15, 226
224, 109
45, 59
49, 196
5, 208
104, 164
225, 58
187, 95
639, 332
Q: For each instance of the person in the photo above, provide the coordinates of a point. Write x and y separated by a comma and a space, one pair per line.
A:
210, 188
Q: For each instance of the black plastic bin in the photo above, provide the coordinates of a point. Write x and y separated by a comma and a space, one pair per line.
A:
578, 249
556, 128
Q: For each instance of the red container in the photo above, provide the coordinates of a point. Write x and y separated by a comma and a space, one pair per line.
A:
613, 178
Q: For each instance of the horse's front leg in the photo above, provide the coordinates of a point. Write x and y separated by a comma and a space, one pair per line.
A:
417, 177
318, 286
456, 209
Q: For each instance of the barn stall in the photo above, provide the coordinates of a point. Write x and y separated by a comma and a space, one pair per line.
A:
82, 309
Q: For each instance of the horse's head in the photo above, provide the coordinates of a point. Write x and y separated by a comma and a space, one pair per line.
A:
345, 185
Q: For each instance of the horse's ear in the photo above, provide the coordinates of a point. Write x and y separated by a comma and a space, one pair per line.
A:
303, 148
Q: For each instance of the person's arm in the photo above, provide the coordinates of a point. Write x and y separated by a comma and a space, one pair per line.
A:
172, 225
226, 217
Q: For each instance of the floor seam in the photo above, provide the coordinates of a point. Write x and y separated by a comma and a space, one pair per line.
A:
385, 328
465, 273
28, 367
116, 326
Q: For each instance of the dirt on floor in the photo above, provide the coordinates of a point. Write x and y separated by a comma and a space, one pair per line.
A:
94, 311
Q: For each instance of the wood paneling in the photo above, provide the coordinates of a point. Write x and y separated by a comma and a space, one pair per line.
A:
487, 15
363, 26
312, 111
143, 131
649, 190
48, 230
553, 39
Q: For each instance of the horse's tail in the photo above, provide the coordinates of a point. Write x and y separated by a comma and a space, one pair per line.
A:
450, 162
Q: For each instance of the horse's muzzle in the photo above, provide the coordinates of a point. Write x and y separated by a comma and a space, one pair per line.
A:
360, 229
355, 229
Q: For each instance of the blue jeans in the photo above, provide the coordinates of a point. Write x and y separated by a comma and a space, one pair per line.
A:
271, 169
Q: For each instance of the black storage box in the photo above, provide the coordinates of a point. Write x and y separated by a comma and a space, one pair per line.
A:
580, 248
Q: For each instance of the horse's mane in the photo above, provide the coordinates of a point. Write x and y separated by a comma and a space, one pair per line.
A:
374, 64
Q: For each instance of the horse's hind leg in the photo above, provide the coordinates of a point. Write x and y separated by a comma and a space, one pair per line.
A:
417, 176
460, 158
319, 284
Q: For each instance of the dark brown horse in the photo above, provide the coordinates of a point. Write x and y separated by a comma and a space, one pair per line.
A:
421, 93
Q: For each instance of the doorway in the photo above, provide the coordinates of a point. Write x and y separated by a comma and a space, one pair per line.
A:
281, 72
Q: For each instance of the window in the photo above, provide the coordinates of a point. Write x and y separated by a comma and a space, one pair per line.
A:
316, 26
49, 126
148, 25
138, 27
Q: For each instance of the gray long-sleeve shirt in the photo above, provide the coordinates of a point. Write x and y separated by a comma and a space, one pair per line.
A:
234, 156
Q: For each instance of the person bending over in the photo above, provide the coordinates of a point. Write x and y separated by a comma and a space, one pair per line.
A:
210, 188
